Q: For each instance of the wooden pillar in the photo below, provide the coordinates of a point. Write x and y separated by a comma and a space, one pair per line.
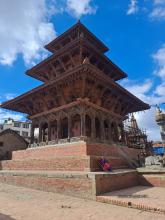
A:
109, 131
93, 128
49, 131
122, 133
69, 127
40, 133
83, 130
116, 132
102, 128
58, 129
32, 134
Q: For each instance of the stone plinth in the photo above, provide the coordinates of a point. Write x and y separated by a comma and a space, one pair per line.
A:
79, 184
79, 156
81, 148
71, 168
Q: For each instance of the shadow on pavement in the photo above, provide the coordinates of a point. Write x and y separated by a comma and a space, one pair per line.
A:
6, 217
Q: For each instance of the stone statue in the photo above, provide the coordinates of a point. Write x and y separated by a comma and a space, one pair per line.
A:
160, 119
155, 160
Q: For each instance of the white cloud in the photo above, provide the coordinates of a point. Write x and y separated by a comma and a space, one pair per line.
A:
160, 90
158, 13
24, 29
152, 93
149, 91
132, 7
9, 96
137, 88
4, 114
159, 2
159, 57
146, 120
79, 8
154, 8
25, 26
158, 10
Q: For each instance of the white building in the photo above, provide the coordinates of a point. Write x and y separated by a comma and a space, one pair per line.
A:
22, 128
1, 127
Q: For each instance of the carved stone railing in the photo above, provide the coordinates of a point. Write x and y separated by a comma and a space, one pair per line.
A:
60, 141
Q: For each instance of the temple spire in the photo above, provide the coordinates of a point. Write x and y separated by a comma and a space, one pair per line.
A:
134, 124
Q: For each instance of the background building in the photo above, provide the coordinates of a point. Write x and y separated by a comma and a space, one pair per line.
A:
136, 137
22, 128
10, 141
1, 127
158, 148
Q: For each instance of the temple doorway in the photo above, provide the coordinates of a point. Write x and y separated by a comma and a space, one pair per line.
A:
88, 126
64, 128
76, 126
98, 128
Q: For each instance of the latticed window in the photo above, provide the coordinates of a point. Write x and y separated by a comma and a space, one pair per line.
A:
24, 133
17, 124
25, 125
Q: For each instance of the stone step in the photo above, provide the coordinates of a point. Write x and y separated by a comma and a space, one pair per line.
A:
74, 149
58, 163
60, 150
152, 176
119, 179
144, 198
157, 180
79, 184
70, 163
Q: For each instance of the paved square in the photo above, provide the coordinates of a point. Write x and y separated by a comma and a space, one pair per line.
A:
18, 203
139, 196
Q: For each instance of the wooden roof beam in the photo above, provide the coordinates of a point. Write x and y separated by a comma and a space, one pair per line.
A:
62, 64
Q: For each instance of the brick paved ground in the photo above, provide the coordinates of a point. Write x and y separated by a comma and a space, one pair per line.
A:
18, 203
143, 197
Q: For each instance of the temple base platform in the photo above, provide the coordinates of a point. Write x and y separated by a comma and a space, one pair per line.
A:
77, 156
70, 168
79, 184
73, 169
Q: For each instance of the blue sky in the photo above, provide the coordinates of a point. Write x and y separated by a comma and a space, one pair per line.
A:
132, 29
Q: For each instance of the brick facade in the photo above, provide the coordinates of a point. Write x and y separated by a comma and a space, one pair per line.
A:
10, 141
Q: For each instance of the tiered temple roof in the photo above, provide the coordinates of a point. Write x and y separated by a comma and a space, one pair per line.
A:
69, 50
78, 68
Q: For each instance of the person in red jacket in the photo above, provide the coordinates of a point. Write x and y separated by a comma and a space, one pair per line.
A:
105, 165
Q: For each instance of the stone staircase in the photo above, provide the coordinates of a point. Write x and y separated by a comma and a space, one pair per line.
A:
132, 161
64, 163
79, 184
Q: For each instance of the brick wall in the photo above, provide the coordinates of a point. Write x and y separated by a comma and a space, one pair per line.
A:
152, 180
109, 150
58, 164
72, 149
76, 163
105, 183
11, 142
77, 149
85, 185
75, 186
70, 156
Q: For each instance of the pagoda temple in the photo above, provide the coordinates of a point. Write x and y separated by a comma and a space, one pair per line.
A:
80, 97
136, 137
